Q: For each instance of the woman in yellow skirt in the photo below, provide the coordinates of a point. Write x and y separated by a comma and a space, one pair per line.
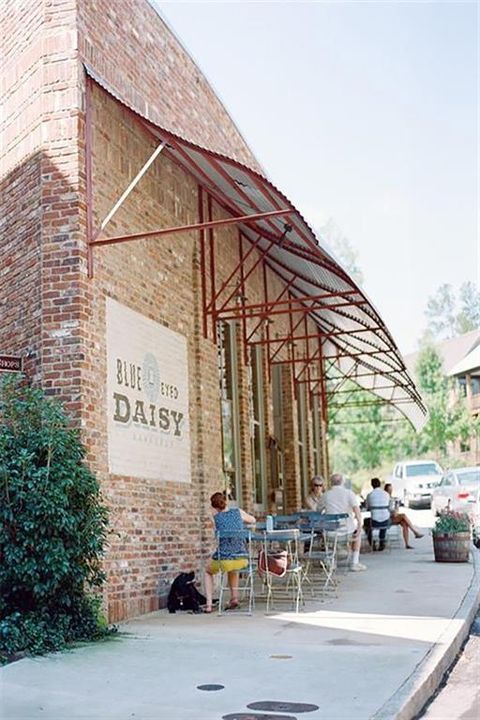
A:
231, 554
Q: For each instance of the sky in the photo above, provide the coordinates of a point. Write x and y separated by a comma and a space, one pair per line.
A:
364, 112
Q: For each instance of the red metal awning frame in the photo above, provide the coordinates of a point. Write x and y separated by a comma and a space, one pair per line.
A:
270, 236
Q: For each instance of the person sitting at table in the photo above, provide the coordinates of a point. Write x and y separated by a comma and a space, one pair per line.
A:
398, 518
231, 555
339, 500
316, 491
378, 502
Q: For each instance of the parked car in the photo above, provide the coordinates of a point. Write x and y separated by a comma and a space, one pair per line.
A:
459, 490
414, 480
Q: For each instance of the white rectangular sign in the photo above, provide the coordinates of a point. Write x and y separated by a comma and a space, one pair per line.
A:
147, 389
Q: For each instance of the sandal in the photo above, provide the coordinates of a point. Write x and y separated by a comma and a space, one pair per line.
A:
207, 610
233, 605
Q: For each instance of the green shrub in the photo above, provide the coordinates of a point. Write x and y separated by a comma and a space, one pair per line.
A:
450, 521
53, 527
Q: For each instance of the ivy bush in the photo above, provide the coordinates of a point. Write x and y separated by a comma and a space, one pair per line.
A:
52, 531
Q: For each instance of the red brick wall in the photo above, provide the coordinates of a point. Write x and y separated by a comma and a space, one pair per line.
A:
20, 320
129, 46
20, 226
40, 209
51, 308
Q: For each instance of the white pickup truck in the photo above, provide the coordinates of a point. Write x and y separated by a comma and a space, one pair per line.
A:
413, 482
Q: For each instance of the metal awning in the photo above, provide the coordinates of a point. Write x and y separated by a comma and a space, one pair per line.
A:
352, 338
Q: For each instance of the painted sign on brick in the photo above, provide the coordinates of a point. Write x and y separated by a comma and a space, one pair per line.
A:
147, 388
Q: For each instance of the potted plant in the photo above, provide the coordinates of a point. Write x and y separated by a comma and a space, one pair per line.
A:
451, 537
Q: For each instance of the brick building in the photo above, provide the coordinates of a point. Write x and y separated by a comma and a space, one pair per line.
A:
193, 359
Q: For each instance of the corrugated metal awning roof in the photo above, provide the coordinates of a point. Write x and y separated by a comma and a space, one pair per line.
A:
357, 336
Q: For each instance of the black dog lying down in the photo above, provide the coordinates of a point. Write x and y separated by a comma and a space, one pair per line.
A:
184, 595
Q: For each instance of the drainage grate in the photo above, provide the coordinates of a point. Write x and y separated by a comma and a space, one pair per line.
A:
275, 706
210, 687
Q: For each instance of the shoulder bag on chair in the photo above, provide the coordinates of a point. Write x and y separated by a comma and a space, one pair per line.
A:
277, 562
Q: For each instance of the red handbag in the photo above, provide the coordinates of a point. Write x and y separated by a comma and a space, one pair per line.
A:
277, 562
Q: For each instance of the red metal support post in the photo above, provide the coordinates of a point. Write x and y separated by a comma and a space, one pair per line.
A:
211, 246
88, 172
267, 307
242, 290
226, 283
203, 270
267, 327
184, 228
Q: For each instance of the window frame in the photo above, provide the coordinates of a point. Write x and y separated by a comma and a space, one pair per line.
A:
227, 353
257, 402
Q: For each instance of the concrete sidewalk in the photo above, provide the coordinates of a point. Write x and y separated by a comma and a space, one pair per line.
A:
377, 651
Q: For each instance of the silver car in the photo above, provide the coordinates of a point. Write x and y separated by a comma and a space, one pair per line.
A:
459, 490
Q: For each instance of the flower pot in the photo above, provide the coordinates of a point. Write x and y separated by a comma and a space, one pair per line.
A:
451, 547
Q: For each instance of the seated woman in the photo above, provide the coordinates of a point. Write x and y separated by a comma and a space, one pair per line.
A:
231, 554
314, 501
397, 518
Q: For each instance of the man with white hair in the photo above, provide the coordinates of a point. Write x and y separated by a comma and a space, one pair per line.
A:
339, 500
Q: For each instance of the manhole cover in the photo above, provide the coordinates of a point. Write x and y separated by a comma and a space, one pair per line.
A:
257, 716
275, 706
210, 687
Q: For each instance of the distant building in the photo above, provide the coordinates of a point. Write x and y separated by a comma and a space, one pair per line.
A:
467, 374
451, 351
460, 360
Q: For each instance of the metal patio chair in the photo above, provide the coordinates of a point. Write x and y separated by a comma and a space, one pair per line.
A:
284, 522
281, 581
246, 587
321, 557
375, 529
343, 537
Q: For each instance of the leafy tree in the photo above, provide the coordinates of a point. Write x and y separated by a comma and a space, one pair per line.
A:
469, 316
445, 318
52, 531
369, 435
441, 312
362, 434
343, 249
449, 418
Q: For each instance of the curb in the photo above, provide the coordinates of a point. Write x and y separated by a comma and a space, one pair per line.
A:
418, 688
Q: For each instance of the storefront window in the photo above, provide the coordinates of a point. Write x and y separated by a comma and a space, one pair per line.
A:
276, 450
258, 428
317, 440
228, 371
302, 436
